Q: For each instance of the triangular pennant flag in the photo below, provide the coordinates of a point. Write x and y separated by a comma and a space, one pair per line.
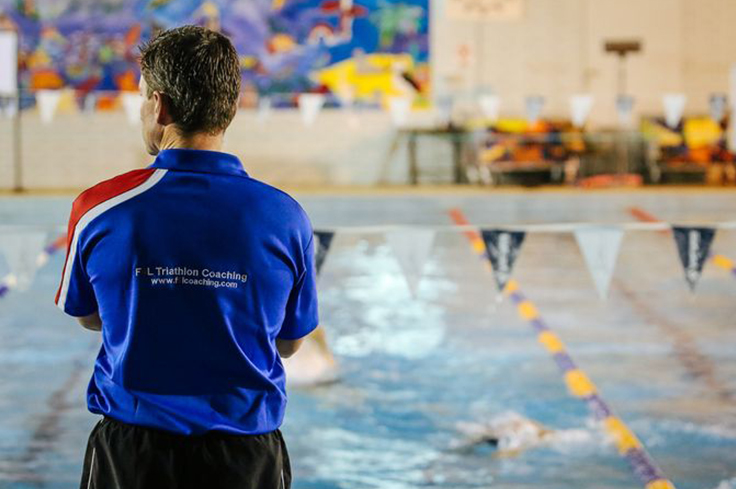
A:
534, 105
693, 246
625, 110
411, 247
48, 102
10, 107
502, 249
89, 103
399, 108
264, 108
674, 106
445, 107
718, 104
580, 107
132, 103
310, 105
323, 243
490, 105
600, 246
21, 250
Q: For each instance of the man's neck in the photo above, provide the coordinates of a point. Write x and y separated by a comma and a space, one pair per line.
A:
171, 139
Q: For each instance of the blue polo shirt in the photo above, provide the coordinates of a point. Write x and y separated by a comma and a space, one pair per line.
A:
195, 269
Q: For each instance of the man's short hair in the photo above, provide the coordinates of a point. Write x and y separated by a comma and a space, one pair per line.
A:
198, 70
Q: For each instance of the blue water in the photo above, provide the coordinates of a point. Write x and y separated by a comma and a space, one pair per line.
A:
414, 370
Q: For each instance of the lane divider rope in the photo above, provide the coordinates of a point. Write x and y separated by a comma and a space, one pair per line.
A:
578, 383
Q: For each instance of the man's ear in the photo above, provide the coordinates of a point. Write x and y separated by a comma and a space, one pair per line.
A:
162, 108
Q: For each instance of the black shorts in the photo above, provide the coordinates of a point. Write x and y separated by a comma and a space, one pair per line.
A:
123, 456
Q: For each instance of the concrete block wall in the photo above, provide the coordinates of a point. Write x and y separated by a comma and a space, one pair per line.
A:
556, 50
79, 150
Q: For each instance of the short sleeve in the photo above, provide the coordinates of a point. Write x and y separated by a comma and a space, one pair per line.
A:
301, 309
76, 296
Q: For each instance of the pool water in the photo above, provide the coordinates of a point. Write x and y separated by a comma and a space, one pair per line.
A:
419, 373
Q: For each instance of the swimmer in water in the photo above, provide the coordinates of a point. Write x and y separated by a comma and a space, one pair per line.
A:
509, 433
314, 364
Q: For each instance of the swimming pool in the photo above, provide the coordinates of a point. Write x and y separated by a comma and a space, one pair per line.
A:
417, 372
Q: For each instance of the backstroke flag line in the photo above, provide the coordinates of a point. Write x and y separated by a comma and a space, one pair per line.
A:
322, 247
21, 250
502, 249
600, 247
693, 246
411, 247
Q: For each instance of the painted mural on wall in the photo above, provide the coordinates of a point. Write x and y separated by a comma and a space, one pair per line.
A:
356, 49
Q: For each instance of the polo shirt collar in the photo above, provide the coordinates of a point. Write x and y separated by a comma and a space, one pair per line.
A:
200, 161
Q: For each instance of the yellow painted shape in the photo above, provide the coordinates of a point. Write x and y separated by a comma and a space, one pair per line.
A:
579, 384
511, 287
277, 4
551, 342
723, 262
368, 75
528, 311
625, 439
660, 484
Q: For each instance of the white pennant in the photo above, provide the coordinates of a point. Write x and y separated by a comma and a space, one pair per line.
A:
89, 103
22, 250
310, 105
48, 101
490, 105
718, 103
264, 108
411, 247
10, 108
445, 107
674, 106
600, 246
132, 102
625, 110
534, 105
399, 108
580, 107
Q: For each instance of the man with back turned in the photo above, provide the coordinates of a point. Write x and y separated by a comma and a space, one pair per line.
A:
200, 279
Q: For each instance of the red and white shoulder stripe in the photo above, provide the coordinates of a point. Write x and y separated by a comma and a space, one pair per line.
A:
94, 202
